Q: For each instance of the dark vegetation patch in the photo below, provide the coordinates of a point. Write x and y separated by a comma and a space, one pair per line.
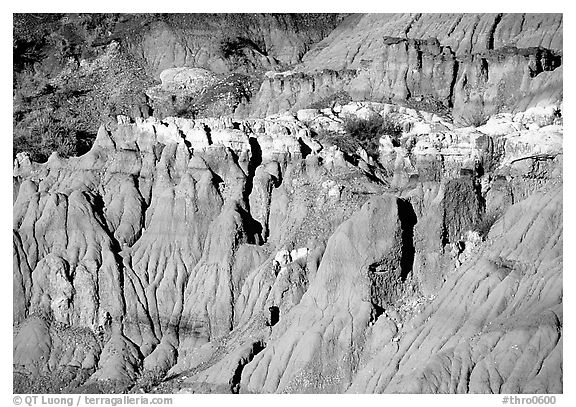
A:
237, 47
367, 132
473, 118
77, 71
364, 133
244, 54
70, 76
46, 135
346, 144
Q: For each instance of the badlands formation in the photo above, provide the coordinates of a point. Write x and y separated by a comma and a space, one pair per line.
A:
262, 252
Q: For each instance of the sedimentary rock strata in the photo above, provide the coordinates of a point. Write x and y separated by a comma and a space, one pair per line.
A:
173, 242
270, 251
475, 65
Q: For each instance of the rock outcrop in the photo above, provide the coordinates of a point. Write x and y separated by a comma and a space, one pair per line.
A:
510, 295
116, 241
247, 256
282, 254
470, 66
224, 42
473, 65
347, 342
76, 71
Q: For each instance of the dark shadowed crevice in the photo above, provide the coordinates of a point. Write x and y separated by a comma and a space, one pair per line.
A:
484, 70
99, 212
157, 149
406, 81
256, 158
454, 25
208, 131
257, 347
217, 181
453, 82
542, 60
84, 142
490, 39
472, 31
407, 220
255, 161
253, 164
252, 227
386, 277
304, 149
479, 196
274, 315
97, 203
411, 24
375, 313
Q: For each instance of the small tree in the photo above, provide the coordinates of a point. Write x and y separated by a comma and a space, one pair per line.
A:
475, 118
367, 132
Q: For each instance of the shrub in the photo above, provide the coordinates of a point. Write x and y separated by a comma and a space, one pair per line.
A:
44, 134
235, 47
344, 143
475, 118
367, 132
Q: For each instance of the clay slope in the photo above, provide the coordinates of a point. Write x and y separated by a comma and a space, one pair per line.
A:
495, 326
225, 42
216, 255
150, 239
474, 65
75, 71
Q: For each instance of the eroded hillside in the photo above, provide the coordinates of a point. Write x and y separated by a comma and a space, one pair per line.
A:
73, 72
249, 256
349, 246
